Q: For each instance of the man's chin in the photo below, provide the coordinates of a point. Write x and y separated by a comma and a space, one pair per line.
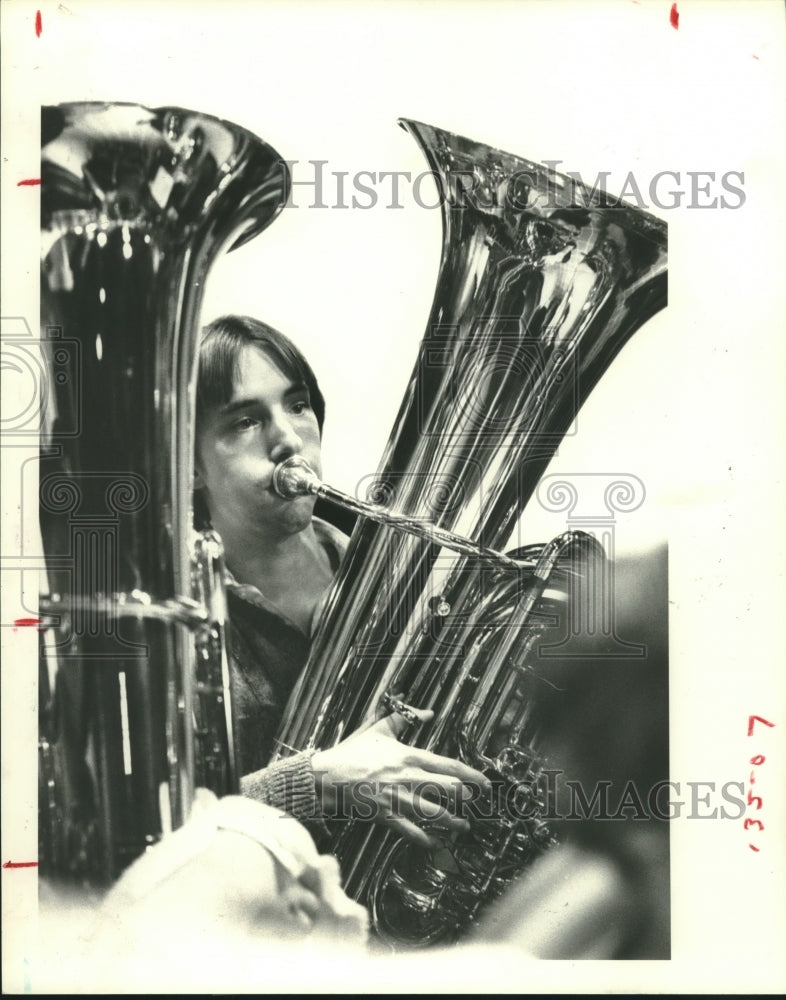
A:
298, 514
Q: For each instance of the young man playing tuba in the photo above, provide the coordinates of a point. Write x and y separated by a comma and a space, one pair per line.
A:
258, 404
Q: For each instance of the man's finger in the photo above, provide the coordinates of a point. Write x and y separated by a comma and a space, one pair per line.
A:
407, 829
415, 802
447, 793
436, 764
396, 724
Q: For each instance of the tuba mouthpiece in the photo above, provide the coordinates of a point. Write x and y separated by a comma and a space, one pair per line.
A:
294, 477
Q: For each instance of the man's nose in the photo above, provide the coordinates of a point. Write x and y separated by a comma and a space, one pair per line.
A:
284, 439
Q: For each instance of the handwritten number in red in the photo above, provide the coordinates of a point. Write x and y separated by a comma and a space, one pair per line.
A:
757, 718
757, 760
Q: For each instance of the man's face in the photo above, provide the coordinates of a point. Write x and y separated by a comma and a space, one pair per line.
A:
268, 418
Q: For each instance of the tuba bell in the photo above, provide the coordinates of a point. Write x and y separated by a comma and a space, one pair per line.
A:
541, 284
134, 696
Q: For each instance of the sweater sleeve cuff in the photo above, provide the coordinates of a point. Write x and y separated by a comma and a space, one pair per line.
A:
288, 784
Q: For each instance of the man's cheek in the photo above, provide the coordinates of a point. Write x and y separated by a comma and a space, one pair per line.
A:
313, 455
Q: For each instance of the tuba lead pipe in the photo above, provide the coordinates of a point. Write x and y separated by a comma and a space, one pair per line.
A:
294, 477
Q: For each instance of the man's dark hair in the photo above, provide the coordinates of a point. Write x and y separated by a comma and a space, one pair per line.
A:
222, 344
220, 350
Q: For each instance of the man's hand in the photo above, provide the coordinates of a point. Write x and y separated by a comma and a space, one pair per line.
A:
372, 776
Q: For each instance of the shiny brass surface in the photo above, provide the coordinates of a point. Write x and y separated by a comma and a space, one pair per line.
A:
136, 203
541, 284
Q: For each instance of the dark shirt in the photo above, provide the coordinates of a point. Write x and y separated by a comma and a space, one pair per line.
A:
267, 653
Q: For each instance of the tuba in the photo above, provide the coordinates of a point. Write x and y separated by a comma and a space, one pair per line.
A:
134, 697
541, 284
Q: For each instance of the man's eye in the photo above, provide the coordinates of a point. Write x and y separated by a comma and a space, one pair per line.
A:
301, 406
243, 424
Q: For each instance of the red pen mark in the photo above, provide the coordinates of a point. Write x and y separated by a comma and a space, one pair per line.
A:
35, 623
674, 16
20, 864
38, 25
757, 718
756, 57
30, 182
756, 760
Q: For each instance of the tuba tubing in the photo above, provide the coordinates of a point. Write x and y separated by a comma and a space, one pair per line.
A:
294, 477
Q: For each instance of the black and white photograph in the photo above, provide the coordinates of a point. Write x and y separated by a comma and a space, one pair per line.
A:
392, 535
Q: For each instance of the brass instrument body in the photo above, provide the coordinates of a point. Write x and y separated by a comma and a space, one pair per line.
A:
134, 694
495, 680
536, 296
